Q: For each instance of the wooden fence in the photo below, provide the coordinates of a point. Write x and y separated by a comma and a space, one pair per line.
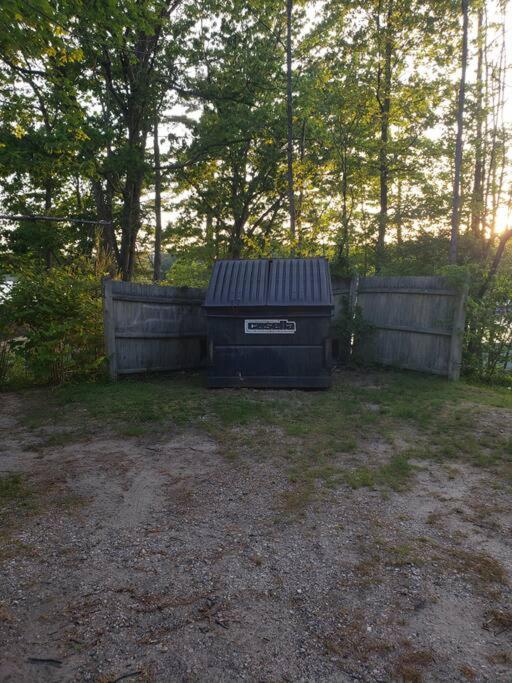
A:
415, 323
149, 328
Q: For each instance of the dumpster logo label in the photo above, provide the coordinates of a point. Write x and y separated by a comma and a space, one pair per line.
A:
270, 326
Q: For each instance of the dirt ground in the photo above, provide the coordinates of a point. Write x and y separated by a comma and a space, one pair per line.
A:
157, 558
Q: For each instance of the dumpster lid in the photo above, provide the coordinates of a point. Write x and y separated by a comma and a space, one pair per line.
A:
270, 282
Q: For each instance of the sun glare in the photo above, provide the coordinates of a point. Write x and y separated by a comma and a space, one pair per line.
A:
503, 219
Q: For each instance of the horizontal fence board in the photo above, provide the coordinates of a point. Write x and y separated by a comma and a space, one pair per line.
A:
157, 335
151, 328
405, 282
415, 330
138, 371
160, 301
405, 290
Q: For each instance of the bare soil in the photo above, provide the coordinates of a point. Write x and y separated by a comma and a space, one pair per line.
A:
158, 558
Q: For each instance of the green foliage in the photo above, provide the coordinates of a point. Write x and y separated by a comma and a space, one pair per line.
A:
457, 276
393, 474
14, 490
188, 272
53, 322
351, 331
488, 338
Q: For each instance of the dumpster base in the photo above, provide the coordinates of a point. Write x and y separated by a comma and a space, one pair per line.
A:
271, 382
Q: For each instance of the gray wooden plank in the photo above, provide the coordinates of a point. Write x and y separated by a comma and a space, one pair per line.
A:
109, 328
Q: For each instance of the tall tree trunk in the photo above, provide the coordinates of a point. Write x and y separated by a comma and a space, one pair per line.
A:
399, 234
504, 238
344, 246
78, 195
300, 201
48, 192
132, 190
289, 118
385, 108
157, 262
455, 217
107, 251
499, 135
477, 195
130, 217
236, 242
210, 235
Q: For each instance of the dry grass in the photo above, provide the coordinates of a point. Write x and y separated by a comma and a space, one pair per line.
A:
480, 566
498, 620
5, 614
503, 658
411, 665
468, 672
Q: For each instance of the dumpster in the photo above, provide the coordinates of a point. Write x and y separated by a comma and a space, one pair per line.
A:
268, 323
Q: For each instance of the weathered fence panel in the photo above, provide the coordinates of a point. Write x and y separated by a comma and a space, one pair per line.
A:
416, 323
151, 328
341, 289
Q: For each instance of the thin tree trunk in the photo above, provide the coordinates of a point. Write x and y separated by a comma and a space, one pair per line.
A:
385, 108
477, 197
157, 262
107, 249
48, 191
498, 181
455, 217
130, 222
289, 118
504, 238
209, 235
300, 201
344, 246
399, 235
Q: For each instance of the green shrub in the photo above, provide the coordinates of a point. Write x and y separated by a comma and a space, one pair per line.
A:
352, 332
52, 321
488, 338
189, 272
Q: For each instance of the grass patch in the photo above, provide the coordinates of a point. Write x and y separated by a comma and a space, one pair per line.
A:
15, 492
312, 431
393, 475
403, 555
136, 407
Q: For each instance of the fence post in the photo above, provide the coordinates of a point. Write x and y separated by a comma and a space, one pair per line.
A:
457, 334
109, 326
352, 295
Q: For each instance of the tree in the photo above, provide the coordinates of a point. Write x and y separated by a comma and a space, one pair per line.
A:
233, 168
461, 100
157, 263
289, 118
130, 52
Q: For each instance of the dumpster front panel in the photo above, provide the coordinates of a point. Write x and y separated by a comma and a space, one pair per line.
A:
290, 350
268, 323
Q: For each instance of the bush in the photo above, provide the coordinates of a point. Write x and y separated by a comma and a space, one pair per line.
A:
488, 339
352, 333
52, 321
189, 272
